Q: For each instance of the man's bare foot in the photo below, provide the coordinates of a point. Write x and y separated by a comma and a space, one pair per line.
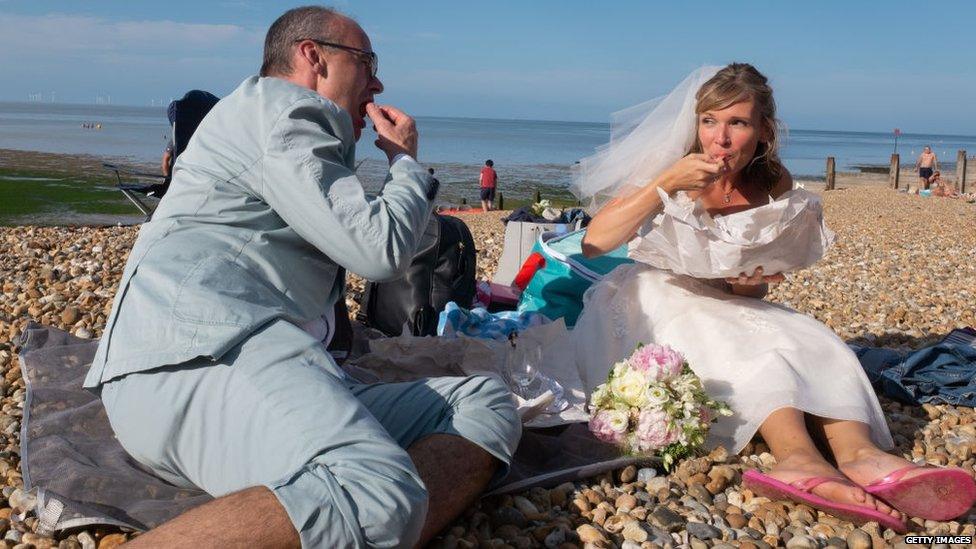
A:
802, 465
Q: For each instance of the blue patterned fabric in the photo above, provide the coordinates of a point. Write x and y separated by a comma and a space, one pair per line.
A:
455, 321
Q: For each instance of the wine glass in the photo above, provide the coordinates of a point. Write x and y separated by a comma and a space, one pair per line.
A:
524, 361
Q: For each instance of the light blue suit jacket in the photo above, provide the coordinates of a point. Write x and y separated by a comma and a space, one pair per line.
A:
263, 210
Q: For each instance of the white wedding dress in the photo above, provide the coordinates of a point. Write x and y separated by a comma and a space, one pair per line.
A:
754, 355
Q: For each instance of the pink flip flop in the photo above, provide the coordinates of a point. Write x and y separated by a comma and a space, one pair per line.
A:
936, 494
801, 491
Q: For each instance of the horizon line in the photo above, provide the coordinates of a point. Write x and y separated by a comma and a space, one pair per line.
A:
606, 123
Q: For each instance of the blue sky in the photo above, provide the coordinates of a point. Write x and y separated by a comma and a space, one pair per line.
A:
866, 66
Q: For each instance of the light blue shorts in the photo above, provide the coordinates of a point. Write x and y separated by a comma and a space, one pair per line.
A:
276, 411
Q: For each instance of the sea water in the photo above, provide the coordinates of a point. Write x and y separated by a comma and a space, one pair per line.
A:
528, 154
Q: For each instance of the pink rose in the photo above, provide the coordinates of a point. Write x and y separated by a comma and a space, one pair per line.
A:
652, 430
671, 362
643, 361
657, 361
609, 425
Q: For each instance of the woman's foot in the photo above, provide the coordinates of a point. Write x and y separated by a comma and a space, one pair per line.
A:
869, 464
926, 492
802, 465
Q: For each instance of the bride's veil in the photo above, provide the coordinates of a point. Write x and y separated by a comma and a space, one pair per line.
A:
644, 141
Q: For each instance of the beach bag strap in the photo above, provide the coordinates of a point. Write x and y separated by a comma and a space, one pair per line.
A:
546, 240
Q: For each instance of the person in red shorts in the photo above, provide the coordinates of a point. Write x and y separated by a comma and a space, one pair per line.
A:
487, 181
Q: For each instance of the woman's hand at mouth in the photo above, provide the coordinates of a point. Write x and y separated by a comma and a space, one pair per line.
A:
694, 172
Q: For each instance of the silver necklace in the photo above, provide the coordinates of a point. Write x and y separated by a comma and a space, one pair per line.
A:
728, 195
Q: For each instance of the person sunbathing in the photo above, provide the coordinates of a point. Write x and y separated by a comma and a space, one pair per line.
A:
943, 188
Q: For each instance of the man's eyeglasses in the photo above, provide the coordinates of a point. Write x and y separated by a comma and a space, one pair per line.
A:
368, 57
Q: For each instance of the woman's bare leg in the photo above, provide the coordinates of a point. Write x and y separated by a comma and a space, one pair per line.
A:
797, 458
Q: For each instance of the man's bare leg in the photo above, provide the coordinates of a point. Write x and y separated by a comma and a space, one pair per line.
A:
227, 522
455, 472
484, 206
797, 457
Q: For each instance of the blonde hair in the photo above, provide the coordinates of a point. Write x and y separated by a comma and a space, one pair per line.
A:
736, 83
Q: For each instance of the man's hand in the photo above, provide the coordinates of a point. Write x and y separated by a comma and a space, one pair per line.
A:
396, 130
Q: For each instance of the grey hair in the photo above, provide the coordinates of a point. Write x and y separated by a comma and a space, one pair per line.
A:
296, 24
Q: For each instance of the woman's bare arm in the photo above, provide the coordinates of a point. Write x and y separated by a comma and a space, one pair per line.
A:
617, 222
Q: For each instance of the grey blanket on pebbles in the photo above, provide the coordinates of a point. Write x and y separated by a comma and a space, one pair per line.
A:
82, 475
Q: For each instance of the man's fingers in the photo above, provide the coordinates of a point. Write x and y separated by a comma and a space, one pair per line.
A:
394, 114
380, 121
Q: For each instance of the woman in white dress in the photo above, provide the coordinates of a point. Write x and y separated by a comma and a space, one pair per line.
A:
784, 374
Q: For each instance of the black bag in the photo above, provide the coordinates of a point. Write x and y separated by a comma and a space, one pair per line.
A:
443, 270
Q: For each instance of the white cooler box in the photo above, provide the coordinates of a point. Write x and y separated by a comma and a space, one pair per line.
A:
519, 239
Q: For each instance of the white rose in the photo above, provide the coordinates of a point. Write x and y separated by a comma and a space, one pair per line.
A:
620, 368
631, 387
599, 394
657, 395
618, 420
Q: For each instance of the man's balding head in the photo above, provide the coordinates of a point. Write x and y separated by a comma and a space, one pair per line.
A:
297, 24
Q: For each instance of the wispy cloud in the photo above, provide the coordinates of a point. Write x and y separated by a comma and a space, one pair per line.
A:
134, 59
26, 35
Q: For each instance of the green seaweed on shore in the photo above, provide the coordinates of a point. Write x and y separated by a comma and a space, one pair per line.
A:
48, 197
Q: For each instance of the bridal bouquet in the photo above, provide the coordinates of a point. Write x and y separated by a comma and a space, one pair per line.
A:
653, 403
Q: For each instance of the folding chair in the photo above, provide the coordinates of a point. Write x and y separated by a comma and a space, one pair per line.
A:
184, 115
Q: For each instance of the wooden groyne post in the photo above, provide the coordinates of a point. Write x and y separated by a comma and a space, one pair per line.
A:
501, 201
893, 172
831, 176
961, 171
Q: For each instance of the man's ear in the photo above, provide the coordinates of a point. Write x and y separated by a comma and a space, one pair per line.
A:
312, 55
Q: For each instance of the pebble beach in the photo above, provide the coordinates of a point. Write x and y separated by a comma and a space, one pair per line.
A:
902, 274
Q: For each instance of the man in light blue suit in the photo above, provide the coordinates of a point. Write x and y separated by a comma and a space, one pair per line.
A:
212, 366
